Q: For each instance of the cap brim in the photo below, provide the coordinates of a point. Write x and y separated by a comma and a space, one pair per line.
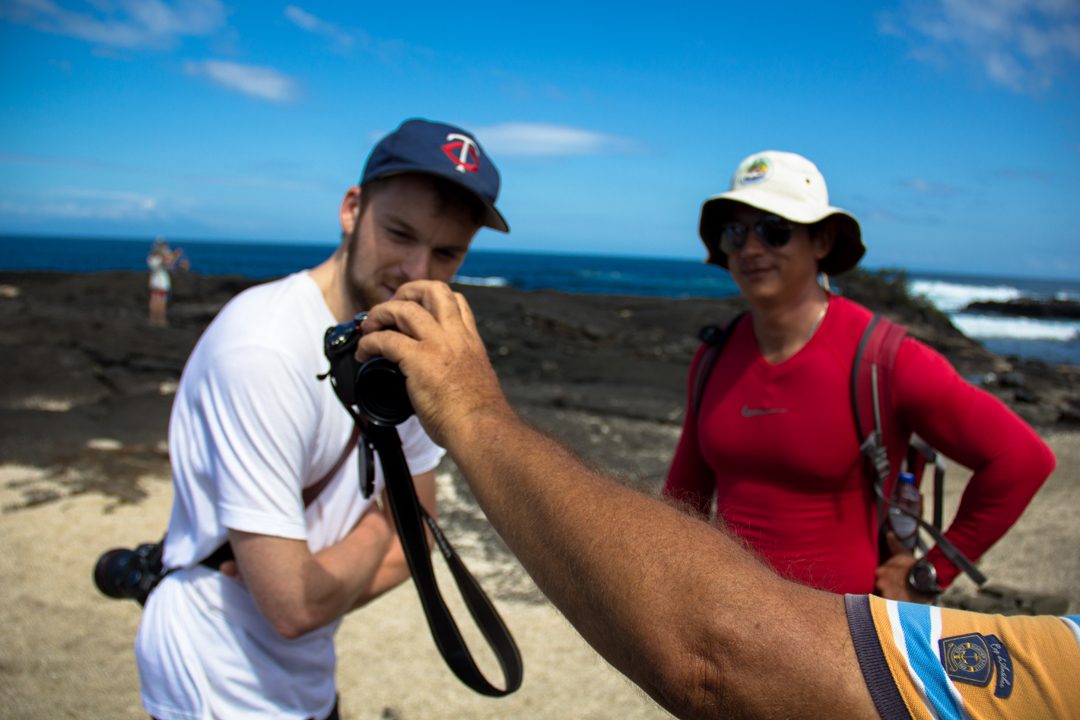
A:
495, 220
492, 217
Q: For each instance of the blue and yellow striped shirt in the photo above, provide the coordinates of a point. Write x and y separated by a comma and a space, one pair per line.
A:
921, 661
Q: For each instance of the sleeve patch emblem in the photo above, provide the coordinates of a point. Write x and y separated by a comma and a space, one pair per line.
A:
972, 659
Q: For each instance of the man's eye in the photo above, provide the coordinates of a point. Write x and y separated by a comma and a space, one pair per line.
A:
449, 255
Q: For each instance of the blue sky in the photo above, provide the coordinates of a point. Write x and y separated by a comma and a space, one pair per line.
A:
948, 127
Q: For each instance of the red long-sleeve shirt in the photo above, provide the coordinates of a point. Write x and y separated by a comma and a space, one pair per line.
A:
776, 445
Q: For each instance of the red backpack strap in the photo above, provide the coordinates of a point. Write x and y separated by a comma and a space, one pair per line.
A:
871, 400
715, 338
872, 374
872, 370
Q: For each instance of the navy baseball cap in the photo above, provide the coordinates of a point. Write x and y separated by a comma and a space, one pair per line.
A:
446, 151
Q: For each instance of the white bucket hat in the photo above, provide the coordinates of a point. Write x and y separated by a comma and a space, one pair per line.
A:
792, 187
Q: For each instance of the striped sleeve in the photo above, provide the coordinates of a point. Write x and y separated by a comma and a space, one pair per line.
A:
947, 664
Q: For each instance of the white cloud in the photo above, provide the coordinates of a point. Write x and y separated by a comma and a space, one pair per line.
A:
260, 82
1022, 45
927, 187
122, 23
80, 204
508, 139
312, 24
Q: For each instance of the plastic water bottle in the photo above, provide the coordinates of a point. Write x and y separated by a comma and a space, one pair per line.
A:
906, 495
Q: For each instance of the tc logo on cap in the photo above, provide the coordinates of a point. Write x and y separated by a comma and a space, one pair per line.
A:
462, 151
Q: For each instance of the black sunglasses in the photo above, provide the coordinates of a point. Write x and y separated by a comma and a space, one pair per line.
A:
773, 230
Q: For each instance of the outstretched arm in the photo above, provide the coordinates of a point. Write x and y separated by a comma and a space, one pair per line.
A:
677, 606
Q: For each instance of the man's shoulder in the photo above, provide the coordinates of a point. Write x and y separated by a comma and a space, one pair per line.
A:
270, 328
273, 313
852, 314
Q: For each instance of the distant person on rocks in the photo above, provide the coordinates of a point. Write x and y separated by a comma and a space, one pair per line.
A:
771, 437
682, 608
161, 261
264, 456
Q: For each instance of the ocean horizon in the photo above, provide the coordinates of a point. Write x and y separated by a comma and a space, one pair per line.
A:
1052, 341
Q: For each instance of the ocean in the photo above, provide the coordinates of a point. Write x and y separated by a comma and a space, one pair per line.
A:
1053, 341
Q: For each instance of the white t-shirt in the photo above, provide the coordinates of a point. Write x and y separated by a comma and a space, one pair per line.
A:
159, 274
251, 426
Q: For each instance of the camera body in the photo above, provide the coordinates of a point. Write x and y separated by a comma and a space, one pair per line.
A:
375, 387
130, 574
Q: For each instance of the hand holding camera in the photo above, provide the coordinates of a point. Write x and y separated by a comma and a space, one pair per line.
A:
438, 347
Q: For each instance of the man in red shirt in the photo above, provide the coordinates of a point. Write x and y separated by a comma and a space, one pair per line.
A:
773, 440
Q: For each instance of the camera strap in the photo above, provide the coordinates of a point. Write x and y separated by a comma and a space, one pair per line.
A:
410, 517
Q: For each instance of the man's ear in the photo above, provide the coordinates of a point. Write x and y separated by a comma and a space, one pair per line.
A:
823, 238
350, 211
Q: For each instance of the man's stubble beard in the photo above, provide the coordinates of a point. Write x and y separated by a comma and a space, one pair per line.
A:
361, 297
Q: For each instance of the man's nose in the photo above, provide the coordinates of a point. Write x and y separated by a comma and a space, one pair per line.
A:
754, 245
417, 264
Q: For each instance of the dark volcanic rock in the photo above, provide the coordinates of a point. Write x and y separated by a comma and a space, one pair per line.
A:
607, 374
1027, 307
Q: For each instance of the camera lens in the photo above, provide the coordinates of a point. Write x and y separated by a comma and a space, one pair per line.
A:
381, 393
118, 574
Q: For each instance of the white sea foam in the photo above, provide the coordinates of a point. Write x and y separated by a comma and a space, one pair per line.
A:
950, 297
495, 281
987, 326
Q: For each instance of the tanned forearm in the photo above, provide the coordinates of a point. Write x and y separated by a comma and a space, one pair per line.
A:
670, 601
674, 604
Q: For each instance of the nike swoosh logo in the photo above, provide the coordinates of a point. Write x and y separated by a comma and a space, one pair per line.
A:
748, 411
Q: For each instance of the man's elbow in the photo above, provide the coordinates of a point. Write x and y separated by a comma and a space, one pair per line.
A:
292, 623
290, 628
688, 685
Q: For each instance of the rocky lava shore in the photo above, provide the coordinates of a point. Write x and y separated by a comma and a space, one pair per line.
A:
87, 384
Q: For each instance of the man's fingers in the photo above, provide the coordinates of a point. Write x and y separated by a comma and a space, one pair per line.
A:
407, 317
435, 296
387, 343
466, 313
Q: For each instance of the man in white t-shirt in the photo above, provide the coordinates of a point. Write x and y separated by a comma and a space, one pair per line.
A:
252, 427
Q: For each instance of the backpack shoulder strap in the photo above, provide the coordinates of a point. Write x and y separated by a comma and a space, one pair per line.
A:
870, 371
311, 492
871, 397
871, 375
715, 338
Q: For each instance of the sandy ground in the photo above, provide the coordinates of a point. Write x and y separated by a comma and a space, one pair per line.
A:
67, 651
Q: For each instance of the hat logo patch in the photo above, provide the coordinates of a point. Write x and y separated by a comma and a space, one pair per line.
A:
756, 171
463, 152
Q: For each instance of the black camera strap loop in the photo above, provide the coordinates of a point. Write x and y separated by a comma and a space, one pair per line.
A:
410, 518
374, 395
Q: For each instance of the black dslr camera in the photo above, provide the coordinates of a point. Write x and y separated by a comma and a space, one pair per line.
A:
130, 574
376, 387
